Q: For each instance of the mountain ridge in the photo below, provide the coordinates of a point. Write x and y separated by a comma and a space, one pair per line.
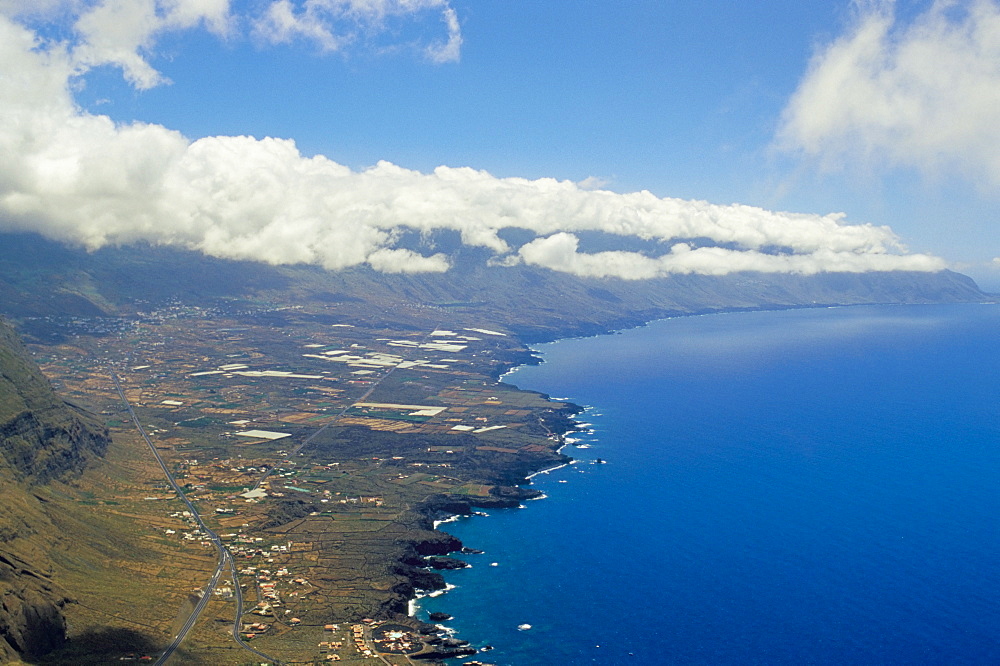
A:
42, 437
41, 278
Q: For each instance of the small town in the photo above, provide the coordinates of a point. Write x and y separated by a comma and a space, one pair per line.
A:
305, 448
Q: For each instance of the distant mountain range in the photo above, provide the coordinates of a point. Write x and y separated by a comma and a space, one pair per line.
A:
41, 278
43, 439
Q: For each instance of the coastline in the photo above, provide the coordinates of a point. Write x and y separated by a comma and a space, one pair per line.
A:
444, 509
440, 510
381, 574
574, 424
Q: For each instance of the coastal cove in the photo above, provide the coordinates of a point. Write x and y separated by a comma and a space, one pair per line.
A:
799, 486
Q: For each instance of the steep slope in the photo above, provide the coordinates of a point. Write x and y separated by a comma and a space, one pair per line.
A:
41, 278
31, 620
41, 439
540, 304
41, 436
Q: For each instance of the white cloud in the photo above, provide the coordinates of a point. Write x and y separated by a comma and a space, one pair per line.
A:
450, 50
923, 94
332, 24
120, 32
395, 260
593, 183
281, 24
80, 177
123, 32
33, 8
559, 252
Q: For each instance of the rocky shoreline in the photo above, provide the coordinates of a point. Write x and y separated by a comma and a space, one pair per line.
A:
421, 560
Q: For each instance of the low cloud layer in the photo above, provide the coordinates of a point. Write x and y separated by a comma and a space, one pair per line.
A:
559, 252
921, 94
81, 178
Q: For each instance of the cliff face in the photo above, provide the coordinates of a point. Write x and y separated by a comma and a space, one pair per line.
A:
41, 439
31, 620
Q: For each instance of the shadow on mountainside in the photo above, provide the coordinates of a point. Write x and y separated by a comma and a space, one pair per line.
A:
98, 647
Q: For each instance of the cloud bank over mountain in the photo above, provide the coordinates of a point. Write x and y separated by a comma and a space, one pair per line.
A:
79, 177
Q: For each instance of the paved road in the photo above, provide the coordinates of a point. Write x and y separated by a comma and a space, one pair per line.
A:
225, 557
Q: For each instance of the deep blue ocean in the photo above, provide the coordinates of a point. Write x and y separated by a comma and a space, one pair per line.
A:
815, 486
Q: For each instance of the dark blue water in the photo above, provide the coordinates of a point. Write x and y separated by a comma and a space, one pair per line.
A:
810, 486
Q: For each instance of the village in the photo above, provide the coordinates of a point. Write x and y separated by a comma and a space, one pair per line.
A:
306, 448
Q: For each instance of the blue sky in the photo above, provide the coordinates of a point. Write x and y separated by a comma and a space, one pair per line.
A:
671, 97
716, 101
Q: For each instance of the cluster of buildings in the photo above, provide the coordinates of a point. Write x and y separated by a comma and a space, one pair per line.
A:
197, 399
358, 631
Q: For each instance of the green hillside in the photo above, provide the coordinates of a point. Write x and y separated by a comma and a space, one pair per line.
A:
41, 436
41, 439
